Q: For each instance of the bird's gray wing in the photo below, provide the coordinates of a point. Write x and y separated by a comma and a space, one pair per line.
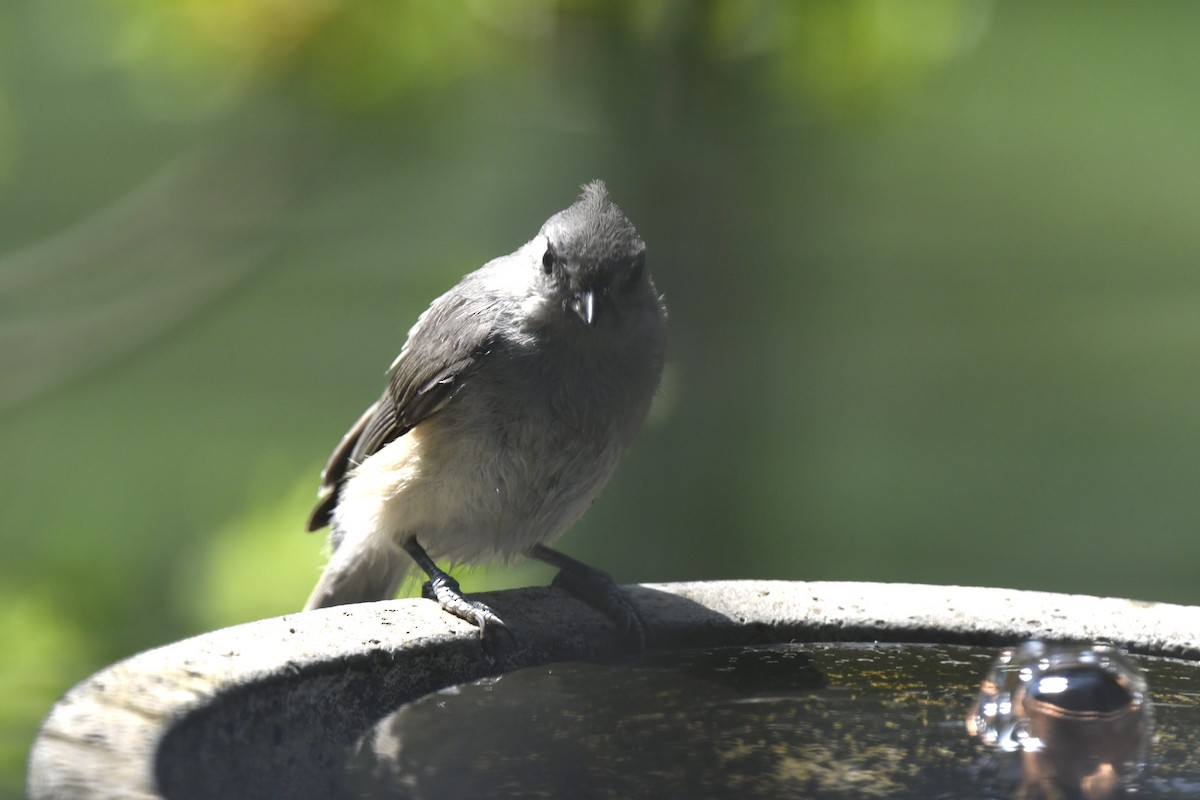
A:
443, 348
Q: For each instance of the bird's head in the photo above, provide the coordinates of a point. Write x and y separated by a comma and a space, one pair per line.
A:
593, 262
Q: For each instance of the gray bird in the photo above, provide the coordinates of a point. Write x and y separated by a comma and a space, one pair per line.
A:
505, 414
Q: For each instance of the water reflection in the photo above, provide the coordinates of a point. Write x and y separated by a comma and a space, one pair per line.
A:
820, 721
1079, 715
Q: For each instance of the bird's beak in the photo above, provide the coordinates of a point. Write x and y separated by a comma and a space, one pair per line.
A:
584, 304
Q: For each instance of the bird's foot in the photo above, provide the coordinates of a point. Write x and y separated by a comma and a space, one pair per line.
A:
449, 596
445, 590
598, 589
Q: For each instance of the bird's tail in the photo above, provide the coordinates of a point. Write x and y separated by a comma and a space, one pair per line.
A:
359, 575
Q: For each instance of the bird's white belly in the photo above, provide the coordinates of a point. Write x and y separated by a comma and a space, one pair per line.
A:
475, 498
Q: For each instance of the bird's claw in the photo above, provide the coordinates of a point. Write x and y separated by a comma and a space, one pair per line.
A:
450, 597
598, 589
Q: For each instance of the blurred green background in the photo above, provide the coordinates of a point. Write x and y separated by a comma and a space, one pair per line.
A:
931, 265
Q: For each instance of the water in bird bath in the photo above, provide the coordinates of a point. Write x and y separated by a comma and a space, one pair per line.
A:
800, 720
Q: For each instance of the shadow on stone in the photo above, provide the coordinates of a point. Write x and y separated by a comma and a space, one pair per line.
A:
289, 735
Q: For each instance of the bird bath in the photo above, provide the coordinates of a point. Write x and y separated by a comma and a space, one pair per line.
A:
741, 688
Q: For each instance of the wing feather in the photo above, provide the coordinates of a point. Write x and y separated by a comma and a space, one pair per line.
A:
442, 350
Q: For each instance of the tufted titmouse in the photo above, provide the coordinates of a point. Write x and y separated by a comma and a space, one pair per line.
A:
504, 416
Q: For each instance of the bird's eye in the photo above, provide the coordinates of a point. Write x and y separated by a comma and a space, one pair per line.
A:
548, 259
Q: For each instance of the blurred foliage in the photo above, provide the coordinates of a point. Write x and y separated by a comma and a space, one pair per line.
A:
206, 54
930, 265
44, 651
847, 57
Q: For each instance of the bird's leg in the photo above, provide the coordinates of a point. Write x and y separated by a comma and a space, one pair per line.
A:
596, 588
449, 596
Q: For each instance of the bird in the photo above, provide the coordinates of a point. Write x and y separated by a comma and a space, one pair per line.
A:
506, 412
